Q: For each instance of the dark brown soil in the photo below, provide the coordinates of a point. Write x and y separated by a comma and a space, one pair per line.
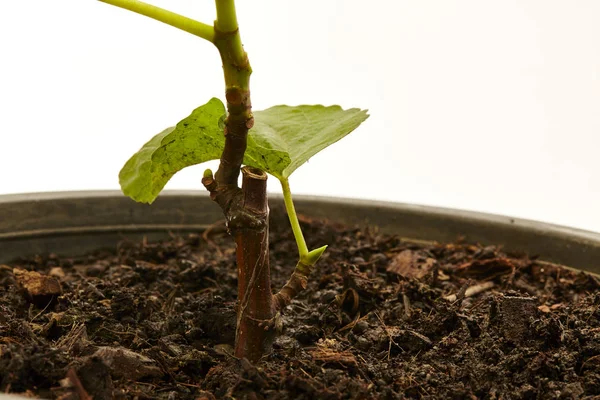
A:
381, 318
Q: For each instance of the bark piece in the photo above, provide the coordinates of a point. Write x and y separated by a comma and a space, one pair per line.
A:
411, 264
545, 309
38, 288
36, 284
515, 313
57, 272
328, 351
486, 269
125, 363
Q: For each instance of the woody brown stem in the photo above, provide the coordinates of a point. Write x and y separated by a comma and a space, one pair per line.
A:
223, 186
237, 71
255, 312
245, 209
296, 284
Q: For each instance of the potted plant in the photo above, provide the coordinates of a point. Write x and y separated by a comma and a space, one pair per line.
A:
386, 317
282, 139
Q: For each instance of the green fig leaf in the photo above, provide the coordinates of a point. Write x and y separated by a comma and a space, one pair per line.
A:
194, 140
282, 139
285, 137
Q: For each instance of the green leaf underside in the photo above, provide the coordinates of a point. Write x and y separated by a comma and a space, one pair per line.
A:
194, 140
282, 139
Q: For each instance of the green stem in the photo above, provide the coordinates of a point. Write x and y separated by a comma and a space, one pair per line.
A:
226, 16
227, 23
291, 211
194, 27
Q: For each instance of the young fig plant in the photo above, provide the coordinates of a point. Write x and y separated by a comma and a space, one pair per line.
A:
274, 141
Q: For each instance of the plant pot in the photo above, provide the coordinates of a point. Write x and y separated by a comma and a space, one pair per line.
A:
73, 223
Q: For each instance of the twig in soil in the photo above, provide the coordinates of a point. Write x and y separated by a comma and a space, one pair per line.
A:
411, 382
476, 305
74, 379
588, 360
406, 302
189, 385
305, 373
169, 304
116, 332
214, 281
150, 386
78, 331
511, 276
563, 328
472, 291
387, 332
95, 290
591, 314
460, 297
134, 334
41, 312
435, 275
353, 323
364, 375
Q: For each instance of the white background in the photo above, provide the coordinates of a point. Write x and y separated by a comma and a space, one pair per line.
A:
483, 105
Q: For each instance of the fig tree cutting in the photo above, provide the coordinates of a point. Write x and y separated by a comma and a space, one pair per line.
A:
275, 141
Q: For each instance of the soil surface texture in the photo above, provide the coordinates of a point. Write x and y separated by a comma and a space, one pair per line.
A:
382, 318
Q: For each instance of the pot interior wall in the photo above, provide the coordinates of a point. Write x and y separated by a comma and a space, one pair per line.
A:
73, 223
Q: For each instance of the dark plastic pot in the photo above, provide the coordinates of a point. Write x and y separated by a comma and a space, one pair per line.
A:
72, 223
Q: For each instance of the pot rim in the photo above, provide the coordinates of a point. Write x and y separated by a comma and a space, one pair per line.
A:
344, 201
75, 222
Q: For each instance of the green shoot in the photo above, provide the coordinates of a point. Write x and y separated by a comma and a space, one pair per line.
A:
291, 211
168, 17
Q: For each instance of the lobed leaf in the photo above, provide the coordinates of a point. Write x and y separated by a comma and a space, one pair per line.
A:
282, 139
